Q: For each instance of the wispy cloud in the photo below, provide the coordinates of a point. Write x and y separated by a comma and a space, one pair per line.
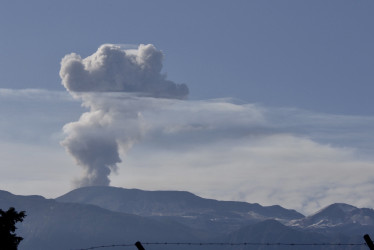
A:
291, 157
215, 148
34, 115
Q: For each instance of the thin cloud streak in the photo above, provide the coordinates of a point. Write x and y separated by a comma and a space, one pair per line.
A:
34, 94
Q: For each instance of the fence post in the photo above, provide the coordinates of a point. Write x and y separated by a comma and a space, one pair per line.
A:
369, 242
139, 245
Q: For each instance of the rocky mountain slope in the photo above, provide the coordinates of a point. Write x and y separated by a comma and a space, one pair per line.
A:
212, 216
338, 218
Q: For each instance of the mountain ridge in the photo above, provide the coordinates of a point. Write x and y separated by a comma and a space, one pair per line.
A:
175, 216
180, 198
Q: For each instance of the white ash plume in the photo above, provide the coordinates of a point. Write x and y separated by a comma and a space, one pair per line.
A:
110, 83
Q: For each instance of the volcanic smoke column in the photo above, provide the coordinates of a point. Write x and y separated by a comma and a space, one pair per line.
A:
114, 84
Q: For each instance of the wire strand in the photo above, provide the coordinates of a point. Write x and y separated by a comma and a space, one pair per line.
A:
227, 244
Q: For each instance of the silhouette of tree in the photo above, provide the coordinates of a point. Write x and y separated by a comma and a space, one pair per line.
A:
9, 240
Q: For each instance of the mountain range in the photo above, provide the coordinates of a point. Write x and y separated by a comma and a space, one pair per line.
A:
107, 216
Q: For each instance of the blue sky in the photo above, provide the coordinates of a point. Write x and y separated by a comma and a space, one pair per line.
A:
316, 55
297, 72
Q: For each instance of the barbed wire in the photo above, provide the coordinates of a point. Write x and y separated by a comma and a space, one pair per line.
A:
227, 244
106, 246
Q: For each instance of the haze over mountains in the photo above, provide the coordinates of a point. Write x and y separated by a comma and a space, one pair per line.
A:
97, 216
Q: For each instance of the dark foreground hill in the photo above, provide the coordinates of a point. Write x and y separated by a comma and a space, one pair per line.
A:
97, 216
54, 225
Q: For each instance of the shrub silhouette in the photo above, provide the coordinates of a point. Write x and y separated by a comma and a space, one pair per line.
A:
9, 240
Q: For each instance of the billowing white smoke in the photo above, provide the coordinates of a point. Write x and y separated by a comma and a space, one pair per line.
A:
112, 69
109, 76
